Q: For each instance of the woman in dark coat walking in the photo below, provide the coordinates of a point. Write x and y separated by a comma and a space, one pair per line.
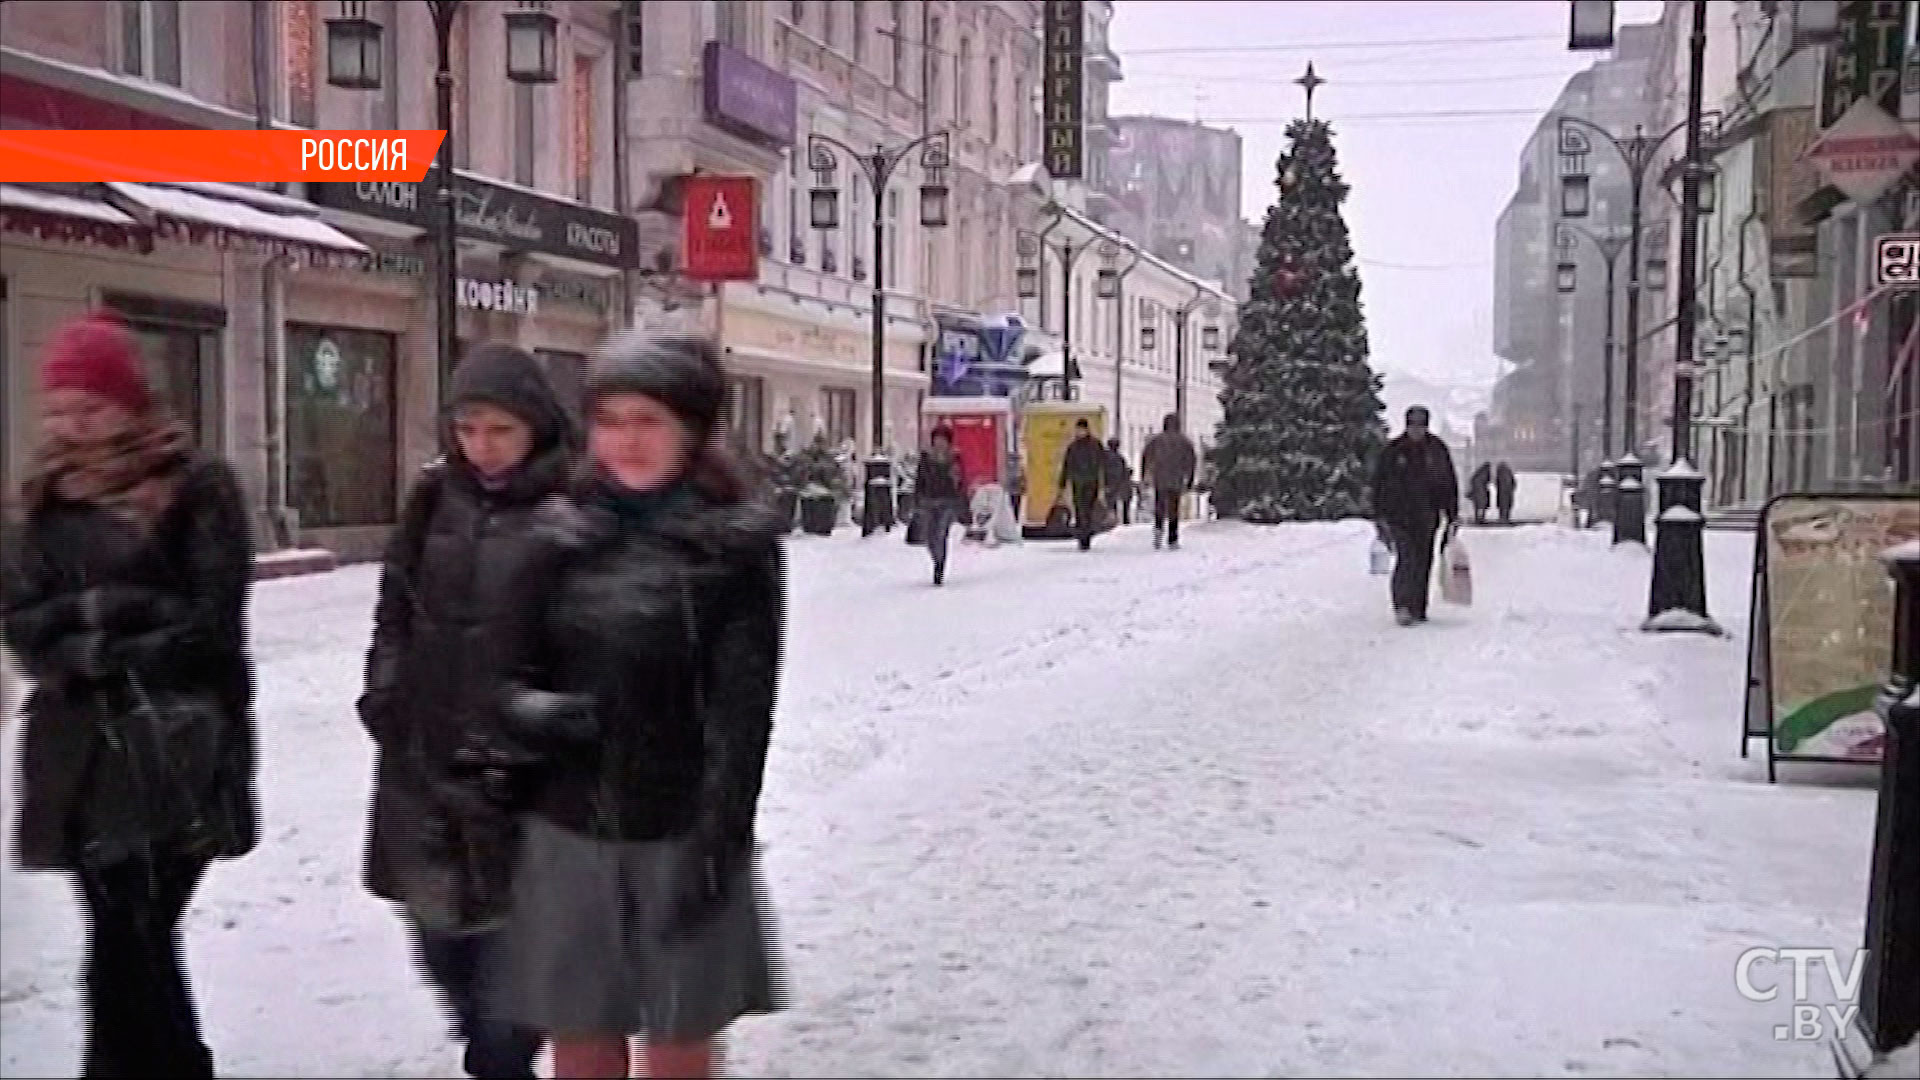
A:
1479, 491
644, 664
124, 596
940, 497
439, 844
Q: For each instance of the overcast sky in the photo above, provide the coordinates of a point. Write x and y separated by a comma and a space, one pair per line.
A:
1426, 190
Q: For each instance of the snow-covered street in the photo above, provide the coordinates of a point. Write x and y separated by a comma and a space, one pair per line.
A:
1130, 813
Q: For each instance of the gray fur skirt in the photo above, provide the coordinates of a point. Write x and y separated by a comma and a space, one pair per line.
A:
586, 951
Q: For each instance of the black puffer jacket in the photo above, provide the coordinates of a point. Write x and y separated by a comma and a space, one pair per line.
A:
669, 621
445, 591
1414, 485
173, 606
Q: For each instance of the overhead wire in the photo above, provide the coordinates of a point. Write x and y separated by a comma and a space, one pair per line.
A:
1315, 46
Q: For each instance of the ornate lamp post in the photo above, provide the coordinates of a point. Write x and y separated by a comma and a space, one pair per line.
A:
824, 202
353, 63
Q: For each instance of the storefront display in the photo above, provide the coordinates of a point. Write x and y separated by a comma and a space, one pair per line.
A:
341, 430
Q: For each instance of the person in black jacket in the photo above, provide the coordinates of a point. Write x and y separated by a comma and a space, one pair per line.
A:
438, 844
1118, 484
124, 596
1414, 490
643, 667
1504, 484
1083, 473
940, 497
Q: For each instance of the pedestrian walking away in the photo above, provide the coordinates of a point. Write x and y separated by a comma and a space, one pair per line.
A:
1169, 464
1083, 472
441, 841
644, 659
1118, 484
1504, 483
940, 491
1415, 491
124, 598
1479, 492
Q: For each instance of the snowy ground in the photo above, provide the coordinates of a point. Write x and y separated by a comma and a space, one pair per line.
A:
1132, 813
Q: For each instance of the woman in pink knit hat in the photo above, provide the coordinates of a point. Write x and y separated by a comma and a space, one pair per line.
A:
124, 597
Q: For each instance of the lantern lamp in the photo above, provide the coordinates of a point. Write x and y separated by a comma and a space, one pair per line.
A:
1567, 278
353, 48
933, 201
533, 50
1592, 25
1576, 195
823, 206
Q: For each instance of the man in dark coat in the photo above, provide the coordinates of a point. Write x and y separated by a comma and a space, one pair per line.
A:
1119, 484
1479, 487
1414, 491
1169, 463
438, 843
1504, 483
1083, 472
940, 497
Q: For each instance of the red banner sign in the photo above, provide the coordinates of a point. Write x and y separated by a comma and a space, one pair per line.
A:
721, 241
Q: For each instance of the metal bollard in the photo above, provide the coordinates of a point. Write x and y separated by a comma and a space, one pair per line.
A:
1890, 990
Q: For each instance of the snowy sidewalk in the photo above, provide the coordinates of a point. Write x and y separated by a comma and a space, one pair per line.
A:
1133, 813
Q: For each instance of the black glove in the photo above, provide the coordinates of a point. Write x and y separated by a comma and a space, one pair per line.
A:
538, 718
703, 887
377, 707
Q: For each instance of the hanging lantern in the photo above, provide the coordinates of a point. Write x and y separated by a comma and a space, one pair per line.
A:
353, 48
1210, 338
1147, 336
1028, 281
1592, 25
933, 200
533, 51
823, 205
1567, 278
1576, 195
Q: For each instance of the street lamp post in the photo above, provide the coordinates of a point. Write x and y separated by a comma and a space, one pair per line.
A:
1638, 153
1677, 599
1201, 299
353, 63
1069, 255
1609, 245
878, 167
1113, 287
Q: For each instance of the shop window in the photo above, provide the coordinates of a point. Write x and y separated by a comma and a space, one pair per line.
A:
747, 412
840, 409
525, 136
180, 348
341, 426
565, 371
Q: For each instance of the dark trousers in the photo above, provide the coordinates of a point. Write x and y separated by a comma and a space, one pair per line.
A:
1506, 509
1120, 504
1413, 566
1086, 515
936, 521
1166, 515
140, 1015
460, 966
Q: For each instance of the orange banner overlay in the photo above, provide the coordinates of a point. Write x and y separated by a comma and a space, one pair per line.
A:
229, 156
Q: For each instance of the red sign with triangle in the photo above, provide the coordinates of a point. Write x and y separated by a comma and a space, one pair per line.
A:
722, 229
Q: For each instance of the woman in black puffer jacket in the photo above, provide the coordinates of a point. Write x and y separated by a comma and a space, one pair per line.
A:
438, 843
124, 596
643, 675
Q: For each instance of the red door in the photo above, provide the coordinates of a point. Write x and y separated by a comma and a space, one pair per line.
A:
978, 439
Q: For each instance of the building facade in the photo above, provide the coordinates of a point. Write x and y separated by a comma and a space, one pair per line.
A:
1175, 185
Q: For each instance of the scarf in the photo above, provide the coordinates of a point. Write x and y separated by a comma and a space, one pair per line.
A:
133, 473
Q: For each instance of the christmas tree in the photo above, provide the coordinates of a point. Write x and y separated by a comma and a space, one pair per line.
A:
1302, 423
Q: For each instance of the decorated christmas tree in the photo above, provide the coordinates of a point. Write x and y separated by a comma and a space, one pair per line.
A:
1302, 423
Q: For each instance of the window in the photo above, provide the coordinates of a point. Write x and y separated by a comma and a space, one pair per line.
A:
797, 14
564, 371
731, 23
993, 101
1020, 116
586, 85
934, 48
387, 99
524, 107
150, 39
899, 44
632, 16
747, 412
962, 80
859, 31
179, 347
458, 61
341, 426
830, 23
840, 411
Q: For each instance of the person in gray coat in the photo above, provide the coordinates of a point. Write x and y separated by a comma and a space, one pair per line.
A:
1169, 463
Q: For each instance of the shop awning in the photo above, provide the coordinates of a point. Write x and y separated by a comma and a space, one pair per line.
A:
228, 215
53, 215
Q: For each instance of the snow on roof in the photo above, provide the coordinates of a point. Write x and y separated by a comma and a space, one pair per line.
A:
52, 202
1051, 365
252, 196
194, 208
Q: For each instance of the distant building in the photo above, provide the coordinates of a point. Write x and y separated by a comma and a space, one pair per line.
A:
1174, 185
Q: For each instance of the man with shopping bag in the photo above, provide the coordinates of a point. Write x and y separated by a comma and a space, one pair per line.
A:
1415, 492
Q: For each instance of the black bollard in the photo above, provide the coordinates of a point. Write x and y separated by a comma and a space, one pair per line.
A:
1630, 503
1890, 990
1603, 509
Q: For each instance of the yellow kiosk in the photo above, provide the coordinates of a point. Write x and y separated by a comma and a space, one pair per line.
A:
1046, 427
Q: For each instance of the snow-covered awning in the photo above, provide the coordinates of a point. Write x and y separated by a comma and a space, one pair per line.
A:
232, 216
1051, 365
53, 215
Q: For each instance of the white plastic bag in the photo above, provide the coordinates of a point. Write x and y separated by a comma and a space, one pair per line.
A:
1380, 558
1456, 574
